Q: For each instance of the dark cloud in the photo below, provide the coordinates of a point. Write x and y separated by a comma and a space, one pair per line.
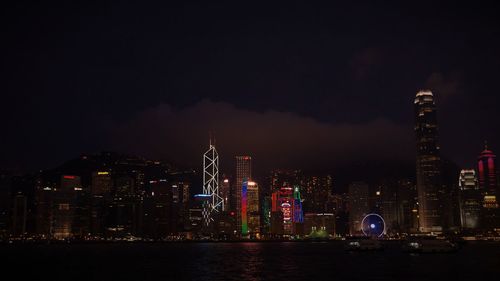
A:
446, 86
82, 77
274, 139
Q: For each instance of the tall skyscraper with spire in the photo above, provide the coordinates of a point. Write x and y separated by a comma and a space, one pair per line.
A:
211, 184
488, 184
429, 188
487, 171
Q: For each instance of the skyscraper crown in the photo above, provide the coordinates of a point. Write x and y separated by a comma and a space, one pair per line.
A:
424, 96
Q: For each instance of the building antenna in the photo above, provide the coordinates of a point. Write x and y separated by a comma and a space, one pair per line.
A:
211, 138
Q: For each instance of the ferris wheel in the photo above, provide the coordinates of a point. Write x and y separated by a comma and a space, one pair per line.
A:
373, 225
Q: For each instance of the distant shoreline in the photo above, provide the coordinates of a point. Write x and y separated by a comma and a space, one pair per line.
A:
58, 242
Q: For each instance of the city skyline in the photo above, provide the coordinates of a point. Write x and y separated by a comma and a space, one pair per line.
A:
109, 195
240, 140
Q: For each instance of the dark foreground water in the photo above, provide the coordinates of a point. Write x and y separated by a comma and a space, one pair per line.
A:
242, 261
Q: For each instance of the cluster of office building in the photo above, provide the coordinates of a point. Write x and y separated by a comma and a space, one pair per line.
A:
113, 196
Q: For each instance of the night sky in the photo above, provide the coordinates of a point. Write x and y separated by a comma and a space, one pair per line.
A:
293, 85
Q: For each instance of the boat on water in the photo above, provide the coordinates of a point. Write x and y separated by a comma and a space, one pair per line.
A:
363, 245
430, 245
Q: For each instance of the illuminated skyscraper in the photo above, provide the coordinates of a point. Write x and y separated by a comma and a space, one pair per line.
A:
487, 172
298, 215
225, 192
64, 206
101, 183
211, 185
281, 177
100, 190
287, 216
244, 213
243, 171
121, 209
489, 186
265, 209
253, 208
429, 188
470, 199
250, 215
276, 216
160, 210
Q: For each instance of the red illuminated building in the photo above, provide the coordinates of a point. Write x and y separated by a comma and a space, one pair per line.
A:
288, 209
487, 172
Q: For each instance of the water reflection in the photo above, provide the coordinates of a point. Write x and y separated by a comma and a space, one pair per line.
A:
245, 261
252, 260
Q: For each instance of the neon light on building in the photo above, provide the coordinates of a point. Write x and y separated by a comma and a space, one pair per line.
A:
244, 221
274, 202
286, 208
283, 201
203, 197
488, 185
487, 171
490, 202
298, 215
243, 170
211, 185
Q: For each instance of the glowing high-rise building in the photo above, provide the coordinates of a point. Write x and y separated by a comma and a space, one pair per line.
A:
243, 171
286, 210
488, 185
253, 208
316, 190
487, 171
211, 185
470, 199
298, 215
224, 191
64, 206
244, 209
101, 183
429, 187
